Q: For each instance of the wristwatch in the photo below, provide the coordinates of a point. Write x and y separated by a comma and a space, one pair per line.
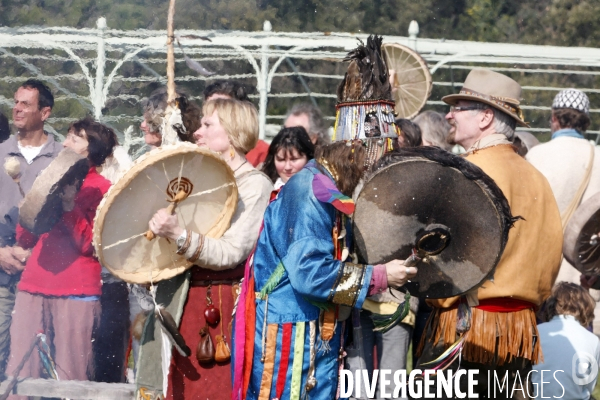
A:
181, 239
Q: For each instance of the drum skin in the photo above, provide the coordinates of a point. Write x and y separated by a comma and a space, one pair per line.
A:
42, 207
418, 194
581, 245
123, 215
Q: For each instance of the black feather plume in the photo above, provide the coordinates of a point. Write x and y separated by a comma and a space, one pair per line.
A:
169, 327
367, 77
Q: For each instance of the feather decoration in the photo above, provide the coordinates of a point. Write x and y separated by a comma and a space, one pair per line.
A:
171, 120
169, 328
463, 317
195, 65
384, 323
206, 38
367, 77
46, 357
273, 281
165, 359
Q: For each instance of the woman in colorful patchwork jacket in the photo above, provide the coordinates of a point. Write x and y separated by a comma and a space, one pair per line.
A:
287, 337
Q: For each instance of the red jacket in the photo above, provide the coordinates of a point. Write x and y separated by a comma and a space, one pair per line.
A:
258, 154
62, 261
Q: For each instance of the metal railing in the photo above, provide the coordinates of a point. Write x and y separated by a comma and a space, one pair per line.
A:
107, 72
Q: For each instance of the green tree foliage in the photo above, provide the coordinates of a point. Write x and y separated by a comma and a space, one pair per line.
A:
556, 22
550, 22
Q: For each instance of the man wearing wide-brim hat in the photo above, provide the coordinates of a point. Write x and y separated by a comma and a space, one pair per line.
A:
496, 325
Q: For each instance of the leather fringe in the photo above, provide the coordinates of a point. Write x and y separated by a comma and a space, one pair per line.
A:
494, 337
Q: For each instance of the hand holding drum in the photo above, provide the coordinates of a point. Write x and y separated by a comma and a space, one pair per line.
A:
68, 195
399, 272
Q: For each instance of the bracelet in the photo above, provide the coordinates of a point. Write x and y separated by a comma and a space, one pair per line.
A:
186, 245
196, 254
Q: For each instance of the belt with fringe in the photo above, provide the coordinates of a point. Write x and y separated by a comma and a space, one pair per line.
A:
501, 329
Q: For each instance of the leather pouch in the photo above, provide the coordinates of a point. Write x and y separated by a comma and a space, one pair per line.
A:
222, 354
205, 353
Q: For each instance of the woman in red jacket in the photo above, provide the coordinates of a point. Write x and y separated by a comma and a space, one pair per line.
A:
60, 287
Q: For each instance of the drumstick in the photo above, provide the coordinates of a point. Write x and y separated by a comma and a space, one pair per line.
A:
12, 166
182, 195
412, 260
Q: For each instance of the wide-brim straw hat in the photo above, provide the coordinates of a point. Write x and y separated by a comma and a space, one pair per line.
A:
491, 88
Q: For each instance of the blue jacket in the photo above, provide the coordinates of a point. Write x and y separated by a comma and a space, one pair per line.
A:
294, 261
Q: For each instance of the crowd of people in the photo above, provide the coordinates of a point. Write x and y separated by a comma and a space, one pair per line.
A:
294, 308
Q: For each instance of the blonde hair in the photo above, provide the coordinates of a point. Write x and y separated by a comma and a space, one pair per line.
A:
238, 118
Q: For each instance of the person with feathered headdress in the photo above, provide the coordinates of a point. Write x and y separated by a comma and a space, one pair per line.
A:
365, 115
365, 109
288, 331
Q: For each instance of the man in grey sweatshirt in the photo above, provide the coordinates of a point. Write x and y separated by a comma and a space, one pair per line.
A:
34, 149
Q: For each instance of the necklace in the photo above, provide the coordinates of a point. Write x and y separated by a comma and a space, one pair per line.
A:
240, 166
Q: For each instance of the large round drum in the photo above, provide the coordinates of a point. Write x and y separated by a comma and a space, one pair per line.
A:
123, 216
42, 207
410, 79
581, 245
440, 206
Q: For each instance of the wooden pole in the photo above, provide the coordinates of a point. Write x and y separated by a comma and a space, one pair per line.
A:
171, 54
169, 136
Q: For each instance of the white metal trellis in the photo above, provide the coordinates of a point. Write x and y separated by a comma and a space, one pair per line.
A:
265, 51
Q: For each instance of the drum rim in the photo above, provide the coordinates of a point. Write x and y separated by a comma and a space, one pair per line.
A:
580, 218
411, 158
42, 186
219, 227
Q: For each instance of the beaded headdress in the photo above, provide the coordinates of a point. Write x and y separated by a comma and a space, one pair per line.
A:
365, 109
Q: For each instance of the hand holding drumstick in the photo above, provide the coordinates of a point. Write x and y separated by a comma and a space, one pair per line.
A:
164, 223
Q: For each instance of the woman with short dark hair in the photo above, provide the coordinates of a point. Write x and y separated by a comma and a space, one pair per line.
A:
59, 291
289, 152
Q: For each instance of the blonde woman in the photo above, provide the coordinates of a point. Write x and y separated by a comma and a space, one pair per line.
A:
230, 128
